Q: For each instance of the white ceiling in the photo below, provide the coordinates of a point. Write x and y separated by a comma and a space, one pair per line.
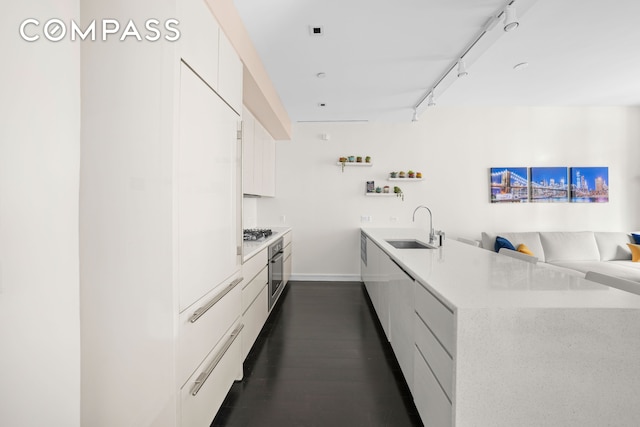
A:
381, 57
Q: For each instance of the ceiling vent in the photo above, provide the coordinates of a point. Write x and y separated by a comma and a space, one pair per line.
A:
316, 30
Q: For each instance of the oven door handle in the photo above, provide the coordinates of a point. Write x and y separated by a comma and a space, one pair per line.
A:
276, 255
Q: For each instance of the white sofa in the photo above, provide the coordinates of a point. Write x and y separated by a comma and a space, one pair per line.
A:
576, 252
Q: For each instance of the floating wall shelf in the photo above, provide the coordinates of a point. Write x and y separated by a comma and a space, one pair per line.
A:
381, 194
353, 164
405, 179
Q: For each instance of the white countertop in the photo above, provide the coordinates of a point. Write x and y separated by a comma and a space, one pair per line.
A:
252, 247
464, 276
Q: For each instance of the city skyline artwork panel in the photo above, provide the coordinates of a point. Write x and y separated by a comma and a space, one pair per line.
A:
590, 184
549, 184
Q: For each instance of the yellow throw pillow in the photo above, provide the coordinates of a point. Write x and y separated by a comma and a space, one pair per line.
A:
525, 250
635, 252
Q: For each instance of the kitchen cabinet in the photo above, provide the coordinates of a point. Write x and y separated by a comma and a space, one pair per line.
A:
254, 299
160, 210
207, 388
249, 155
199, 39
207, 212
433, 354
229, 74
288, 238
376, 277
268, 164
259, 155
401, 319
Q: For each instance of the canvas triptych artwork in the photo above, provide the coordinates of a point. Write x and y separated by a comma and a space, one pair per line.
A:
550, 184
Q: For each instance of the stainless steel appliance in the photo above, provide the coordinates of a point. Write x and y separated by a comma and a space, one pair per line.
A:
276, 258
256, 233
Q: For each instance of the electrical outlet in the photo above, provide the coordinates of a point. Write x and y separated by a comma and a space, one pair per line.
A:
393, 219
366, 218
283, 219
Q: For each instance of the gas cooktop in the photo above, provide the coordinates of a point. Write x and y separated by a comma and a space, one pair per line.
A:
256, 233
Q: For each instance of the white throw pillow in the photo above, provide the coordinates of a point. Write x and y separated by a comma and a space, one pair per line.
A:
613, 245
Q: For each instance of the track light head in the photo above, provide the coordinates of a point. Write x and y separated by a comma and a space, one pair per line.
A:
415, 115
510, 19
431, 101
462, 68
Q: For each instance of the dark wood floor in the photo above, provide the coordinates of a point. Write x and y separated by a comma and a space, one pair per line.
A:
320, 360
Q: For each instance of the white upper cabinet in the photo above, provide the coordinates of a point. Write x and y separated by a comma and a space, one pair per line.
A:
229, 74
205, 49
259, 158
248, 157
199, 34
268, 166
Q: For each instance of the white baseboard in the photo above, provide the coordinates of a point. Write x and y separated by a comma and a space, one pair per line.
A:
326, 277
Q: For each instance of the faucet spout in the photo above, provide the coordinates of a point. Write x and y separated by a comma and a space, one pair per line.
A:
432, 235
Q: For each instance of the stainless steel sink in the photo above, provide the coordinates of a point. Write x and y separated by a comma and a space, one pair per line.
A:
409, 244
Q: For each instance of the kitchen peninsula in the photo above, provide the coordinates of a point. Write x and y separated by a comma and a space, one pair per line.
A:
492, 340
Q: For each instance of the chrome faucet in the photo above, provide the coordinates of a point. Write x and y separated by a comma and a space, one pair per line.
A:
432, 236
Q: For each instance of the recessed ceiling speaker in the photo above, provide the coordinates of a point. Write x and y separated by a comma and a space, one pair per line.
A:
316, 30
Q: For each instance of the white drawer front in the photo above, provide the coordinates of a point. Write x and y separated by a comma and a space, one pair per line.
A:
253, 320
287, 270
196, 339
199, 410
253, 266
286, 240
437, 358
287, 252
439, 318
253, 288
431, 402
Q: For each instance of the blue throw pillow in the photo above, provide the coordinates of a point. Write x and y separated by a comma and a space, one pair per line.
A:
636, 238
501, 242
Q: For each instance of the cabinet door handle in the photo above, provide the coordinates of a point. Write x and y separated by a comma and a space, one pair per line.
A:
204, 375
202, 310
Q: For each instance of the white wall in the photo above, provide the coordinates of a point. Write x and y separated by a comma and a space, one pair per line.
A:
39, 180
454, 149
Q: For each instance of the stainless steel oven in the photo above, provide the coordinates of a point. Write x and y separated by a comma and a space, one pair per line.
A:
276, 258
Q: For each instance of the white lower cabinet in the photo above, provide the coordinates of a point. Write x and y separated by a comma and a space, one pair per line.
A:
401, 319
287, 242
376, 273
420, 328
255, 303
434, 356
206, 389
432, 403
254, 319
204, 325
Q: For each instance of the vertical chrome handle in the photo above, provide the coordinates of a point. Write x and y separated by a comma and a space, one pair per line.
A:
204, 375
202, 310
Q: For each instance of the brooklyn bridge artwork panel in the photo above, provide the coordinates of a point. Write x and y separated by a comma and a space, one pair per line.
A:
509, 185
